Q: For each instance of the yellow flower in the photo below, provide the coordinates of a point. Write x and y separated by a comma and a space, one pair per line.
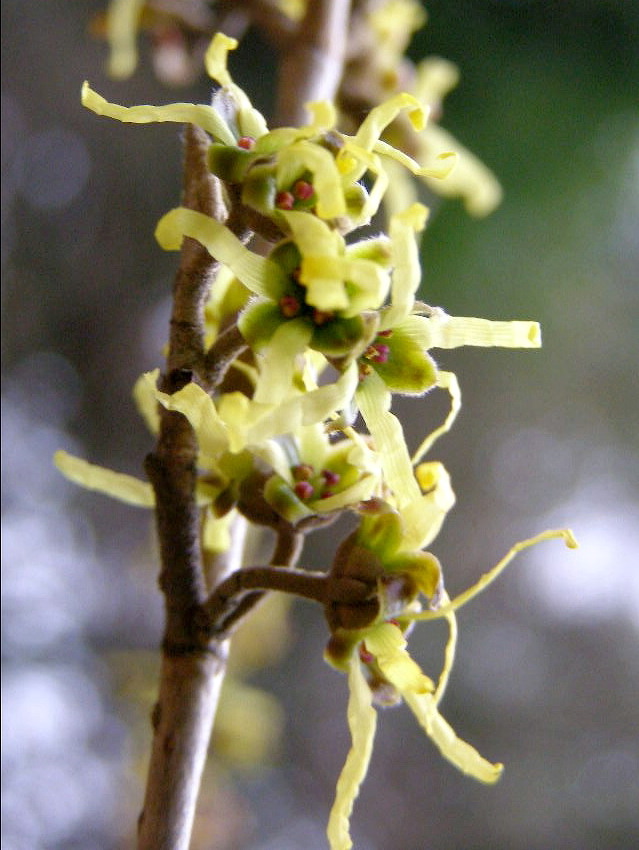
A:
381, 648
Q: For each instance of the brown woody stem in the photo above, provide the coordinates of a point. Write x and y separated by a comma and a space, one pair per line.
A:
194, 658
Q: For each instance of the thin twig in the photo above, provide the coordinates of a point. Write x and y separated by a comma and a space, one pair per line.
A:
316, 586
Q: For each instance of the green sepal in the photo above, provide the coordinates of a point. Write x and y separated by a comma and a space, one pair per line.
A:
409, 369
377, 250
287, 256
258, 322
259, 189
279, 495
382, 532
342, 338
229, 163
422, 567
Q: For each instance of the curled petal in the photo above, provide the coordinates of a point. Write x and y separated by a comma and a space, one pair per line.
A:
424, 516
470, 180
278, 361
458, 752
449, 651
442, 166
488, 578
249, 121
259, 274
198, 407
381, 116
126, 488
323, 115
374, 400
407, 273
362, 722
216, 57
183, 113
447, 381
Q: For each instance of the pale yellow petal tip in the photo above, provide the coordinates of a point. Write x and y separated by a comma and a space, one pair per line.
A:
534, 334
85, 93
569, 538
498, 768
216, 55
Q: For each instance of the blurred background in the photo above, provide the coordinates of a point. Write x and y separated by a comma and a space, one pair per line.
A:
547, 678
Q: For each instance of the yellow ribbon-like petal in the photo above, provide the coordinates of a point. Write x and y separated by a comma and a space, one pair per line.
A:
458, 752
381, 116
278, 362
259, 274
407, 272
198, 407
387, 643
446, 381
564, 534
422, 514
444, 331
182, 113
362, 721
145, 400
249, 121
424, 517
126, 488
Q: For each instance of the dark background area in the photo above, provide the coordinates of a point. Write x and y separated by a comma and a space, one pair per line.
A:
547, 677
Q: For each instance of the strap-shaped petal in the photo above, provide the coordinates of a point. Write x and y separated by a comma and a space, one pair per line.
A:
488, 578
446, 381
278, 361
387, 643
126, 488
407, 272
362, 722
198, 407
259, 274
249, 121
182, 113
458, 752
381, 116
444, 331
374, 400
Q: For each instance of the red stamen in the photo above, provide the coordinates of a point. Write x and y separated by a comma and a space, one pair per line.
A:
246, 142
303, 472
290, 306
303, 190
331, 478
365, 656
378, 352
284, 201
303, 490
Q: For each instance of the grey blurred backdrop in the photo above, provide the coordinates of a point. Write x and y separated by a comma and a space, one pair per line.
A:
547, 679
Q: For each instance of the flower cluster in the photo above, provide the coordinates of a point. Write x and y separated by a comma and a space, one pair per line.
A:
332, 329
